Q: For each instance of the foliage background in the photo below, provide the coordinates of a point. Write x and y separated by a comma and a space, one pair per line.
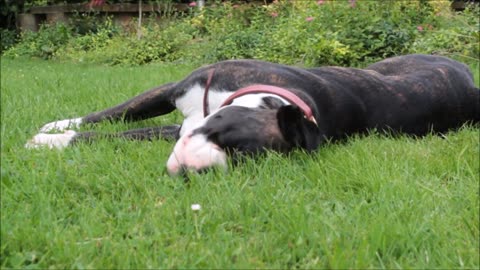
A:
309, 33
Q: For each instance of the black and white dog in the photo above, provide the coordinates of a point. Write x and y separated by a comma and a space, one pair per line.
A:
247, 106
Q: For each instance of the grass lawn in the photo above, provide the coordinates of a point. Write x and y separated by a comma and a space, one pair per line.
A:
373, 202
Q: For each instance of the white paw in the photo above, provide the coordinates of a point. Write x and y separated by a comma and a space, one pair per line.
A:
59, 141
62, 125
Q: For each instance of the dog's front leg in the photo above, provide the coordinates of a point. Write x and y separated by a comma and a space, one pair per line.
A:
154, 102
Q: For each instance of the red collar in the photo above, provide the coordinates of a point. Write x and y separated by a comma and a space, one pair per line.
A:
258, 89
206, 106
270, 89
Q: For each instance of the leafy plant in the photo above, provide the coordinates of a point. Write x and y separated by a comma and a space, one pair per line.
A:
310, 33
458, 37
8, 39
43, 43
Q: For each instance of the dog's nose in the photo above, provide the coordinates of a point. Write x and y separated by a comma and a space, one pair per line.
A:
195, 153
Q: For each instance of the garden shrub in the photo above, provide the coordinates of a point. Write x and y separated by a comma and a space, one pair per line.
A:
110, 46
316, 33
303, 37
43, 43
307, 33
154, 45
457, 37
8, 39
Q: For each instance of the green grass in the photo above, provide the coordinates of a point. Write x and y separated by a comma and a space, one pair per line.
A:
373, 202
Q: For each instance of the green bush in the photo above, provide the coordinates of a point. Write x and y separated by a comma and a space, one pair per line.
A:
302, 36
457, 37
309, 33
110, 46
8, 39
82, 47
316, 33
43, 43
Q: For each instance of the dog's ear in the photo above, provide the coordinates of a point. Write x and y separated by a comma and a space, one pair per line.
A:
296, 129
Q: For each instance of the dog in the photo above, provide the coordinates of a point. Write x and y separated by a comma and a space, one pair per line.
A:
239, 107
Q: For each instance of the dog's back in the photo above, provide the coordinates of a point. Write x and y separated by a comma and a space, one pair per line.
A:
441, 73
413, 94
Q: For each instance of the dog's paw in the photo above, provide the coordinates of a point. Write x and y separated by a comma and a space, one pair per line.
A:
51, 141
61, 125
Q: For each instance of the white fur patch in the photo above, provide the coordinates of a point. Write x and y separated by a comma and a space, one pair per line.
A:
191, 104
62, 125
195, 153
60, 140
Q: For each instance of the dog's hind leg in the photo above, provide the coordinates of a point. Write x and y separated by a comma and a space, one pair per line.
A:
70, 137
154, 102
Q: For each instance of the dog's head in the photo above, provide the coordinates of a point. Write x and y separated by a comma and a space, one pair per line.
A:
235, 130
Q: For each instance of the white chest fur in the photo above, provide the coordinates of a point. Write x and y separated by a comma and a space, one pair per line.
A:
191, 104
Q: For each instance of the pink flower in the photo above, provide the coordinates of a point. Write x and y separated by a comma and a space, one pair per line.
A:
420, 28
94, 3
352, 3
274, 14
320, 2
309, 19
192, 4
235, 6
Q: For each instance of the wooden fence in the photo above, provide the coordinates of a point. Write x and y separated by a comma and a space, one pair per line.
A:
122, 14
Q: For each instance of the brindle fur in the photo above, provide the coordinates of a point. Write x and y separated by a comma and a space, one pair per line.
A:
412, 94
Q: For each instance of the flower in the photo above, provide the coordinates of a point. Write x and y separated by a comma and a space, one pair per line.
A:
420, 28
94, 3
196, 207
274, 14
192, 4
320, 2
352, 3
309, 19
